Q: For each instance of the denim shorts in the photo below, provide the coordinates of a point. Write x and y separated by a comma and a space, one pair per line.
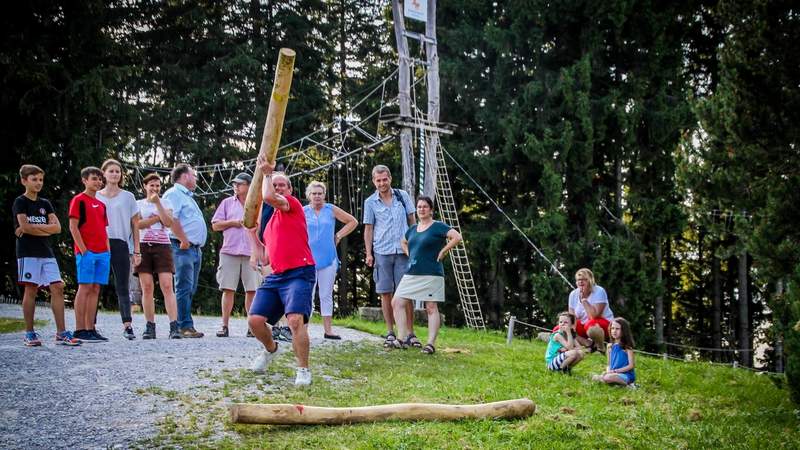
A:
388, 271
288, 292
93, 268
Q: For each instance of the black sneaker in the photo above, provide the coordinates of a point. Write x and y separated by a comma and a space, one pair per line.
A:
128, 334
83, 335
149, 331
174, 332
98, 337
334, 337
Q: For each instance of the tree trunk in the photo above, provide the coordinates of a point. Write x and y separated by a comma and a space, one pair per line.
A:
745, 352
716, 304
659, 306
777, 325
404, 97
668, 287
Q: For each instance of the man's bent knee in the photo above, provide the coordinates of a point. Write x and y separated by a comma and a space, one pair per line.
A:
256, 321
295, 321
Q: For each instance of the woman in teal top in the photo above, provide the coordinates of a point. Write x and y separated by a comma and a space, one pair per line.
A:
321, 220
426, 245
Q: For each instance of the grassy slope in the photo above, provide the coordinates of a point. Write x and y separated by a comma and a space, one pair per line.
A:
679, 405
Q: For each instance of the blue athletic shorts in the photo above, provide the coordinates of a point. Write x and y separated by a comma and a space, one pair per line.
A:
287, 292
38, 271
93, 268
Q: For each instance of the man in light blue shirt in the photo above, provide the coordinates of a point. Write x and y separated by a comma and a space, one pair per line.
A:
188, 235
387, 215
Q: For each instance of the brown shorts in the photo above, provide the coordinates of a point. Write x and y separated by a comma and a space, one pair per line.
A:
156, 258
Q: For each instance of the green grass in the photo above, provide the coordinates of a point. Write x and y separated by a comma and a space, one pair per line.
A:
679, 405
12, 325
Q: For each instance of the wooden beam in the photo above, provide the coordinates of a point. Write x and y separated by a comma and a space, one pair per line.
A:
273, 127
287, 414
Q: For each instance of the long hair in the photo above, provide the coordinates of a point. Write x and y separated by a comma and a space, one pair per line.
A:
113, 162
625, 337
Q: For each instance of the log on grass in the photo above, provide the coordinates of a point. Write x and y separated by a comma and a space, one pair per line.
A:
273, 127
287, 414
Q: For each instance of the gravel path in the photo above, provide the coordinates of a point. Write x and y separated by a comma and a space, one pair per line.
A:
85, 397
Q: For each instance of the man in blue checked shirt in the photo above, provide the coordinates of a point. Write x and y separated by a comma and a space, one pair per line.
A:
188, 235
387, 215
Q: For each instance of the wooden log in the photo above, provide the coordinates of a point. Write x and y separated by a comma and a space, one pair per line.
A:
273, 127
287, 414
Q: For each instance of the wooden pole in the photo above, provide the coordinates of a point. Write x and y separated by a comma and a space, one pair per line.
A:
273, 127
286, 414
432, 137
404, 98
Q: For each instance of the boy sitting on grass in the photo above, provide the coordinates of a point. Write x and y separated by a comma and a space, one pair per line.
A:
563, 351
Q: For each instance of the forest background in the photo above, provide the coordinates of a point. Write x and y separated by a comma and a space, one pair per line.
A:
655, 142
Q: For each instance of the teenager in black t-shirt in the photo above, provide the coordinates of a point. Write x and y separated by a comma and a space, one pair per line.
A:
34, 221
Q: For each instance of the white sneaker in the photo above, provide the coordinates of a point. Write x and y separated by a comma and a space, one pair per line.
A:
262, 361
303, 377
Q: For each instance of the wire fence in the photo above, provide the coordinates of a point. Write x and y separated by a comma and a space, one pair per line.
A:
513, 322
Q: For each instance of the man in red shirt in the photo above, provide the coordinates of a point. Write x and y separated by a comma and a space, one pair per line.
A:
288, 289
87, 224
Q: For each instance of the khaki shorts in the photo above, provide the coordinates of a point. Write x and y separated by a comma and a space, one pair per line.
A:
231, 269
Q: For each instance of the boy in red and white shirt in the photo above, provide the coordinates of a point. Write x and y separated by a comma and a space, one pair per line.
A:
87, 224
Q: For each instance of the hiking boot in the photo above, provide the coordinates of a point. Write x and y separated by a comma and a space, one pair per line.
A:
128, 333
303, 377
98, 337
66, 338
31, 339
263, 359
149, 331
191, 333
174, 332
223, 332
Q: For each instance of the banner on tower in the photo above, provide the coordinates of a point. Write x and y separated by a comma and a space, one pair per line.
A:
416, 9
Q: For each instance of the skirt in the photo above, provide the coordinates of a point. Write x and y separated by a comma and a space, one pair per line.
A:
427, 288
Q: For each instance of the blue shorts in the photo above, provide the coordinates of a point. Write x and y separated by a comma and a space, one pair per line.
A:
628, 377
93, 268
287, 292
38, 271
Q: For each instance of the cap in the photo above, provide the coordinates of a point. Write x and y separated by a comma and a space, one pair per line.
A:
243, 178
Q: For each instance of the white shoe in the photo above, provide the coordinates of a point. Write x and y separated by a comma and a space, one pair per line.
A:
262, 361
303, 377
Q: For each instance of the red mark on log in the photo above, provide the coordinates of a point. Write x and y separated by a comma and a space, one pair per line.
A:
299, 408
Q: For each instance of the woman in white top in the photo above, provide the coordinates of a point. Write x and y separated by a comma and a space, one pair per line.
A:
589, 303
123, 235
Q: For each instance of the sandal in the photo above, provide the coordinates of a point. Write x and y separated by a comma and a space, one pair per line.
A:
429, 349
398, 344
412, 341
390, 339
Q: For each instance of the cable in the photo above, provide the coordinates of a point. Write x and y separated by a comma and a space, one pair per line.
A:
552, 266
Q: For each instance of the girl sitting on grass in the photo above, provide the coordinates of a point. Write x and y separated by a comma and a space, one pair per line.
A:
621, 361
563, 351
